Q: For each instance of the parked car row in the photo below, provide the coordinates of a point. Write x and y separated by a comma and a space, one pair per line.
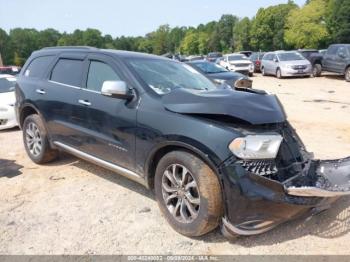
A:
302, 62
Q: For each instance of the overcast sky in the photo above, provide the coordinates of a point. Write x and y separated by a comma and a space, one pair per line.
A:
122, 17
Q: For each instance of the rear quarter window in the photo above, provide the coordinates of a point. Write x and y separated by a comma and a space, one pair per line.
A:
38, 66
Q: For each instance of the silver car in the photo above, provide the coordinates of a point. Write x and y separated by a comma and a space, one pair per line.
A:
284, 64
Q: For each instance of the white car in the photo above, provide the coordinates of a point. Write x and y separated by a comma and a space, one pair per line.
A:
7, 102
237, 63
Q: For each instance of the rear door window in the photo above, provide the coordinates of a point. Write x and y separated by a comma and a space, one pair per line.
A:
100, 72
332, 50
68, 71
38, 67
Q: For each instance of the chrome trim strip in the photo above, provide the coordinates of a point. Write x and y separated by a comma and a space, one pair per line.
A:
118, 169
306, 191
54, 82
75, 87
242, 232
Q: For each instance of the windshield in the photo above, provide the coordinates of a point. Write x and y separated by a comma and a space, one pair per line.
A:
210, 68
290, 56
163, 76
7, 84
237, 57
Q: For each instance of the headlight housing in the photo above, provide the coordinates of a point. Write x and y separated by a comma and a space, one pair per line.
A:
256, 146
243, 83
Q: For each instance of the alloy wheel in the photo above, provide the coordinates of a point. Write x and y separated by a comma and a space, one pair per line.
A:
180, 193
347, 75
33, 139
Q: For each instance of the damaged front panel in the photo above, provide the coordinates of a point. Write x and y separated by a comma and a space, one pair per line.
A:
297, 172
328, 179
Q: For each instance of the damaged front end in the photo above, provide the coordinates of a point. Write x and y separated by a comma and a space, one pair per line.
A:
262, 193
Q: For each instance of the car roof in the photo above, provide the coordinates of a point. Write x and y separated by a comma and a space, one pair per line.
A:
88, 49
235, 54
307, 50
348, 45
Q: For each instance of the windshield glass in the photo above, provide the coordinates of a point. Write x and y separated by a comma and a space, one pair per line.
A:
290, 56
163, 76
210, 68
7, 84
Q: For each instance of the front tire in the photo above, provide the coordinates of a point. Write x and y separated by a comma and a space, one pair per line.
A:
36, 141
188, 194
316, 70
263, 71
279, 74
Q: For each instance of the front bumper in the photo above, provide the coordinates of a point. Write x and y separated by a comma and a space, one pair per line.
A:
7, 117
295, 72
243, 70
256, 201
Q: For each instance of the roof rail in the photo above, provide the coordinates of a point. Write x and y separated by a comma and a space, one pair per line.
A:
70, 47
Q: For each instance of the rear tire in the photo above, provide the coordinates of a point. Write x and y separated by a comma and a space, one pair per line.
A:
36, 141
347, 74
316, 70
188, 194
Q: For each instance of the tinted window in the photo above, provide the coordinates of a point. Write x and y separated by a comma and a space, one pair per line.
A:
342, 50
291, 56
38, 66
268, 57
7, 84
98, 73
332, 50
237, 57
68, 72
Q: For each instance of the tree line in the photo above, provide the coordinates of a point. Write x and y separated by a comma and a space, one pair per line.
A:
285, 26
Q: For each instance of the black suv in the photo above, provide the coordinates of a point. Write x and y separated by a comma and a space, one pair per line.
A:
315, 58
337, 60
213, 156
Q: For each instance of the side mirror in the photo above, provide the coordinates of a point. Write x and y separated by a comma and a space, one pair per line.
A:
117, 89
275, 60
341, 55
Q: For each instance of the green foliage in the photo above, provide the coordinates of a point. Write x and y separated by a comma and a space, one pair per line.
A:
241, 33
6, 50
267, 31
339, 20
306, 27
315, 25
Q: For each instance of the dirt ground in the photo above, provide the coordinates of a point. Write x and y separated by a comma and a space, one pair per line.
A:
73, 207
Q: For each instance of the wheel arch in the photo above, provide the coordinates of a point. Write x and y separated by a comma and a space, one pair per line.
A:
25, 111
161, 150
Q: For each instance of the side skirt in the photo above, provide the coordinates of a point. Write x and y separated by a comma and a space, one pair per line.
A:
97, 161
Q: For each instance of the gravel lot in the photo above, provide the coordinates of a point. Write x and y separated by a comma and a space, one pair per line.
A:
73, 207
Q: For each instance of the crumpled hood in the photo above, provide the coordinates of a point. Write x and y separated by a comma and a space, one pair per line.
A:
251, 107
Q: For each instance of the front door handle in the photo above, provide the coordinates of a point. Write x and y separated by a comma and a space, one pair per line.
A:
40, 91
84, 102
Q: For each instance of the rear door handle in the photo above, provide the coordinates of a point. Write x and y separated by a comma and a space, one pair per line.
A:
40, 91
84, 102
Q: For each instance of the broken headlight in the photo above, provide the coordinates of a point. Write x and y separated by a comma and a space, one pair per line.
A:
256, 146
